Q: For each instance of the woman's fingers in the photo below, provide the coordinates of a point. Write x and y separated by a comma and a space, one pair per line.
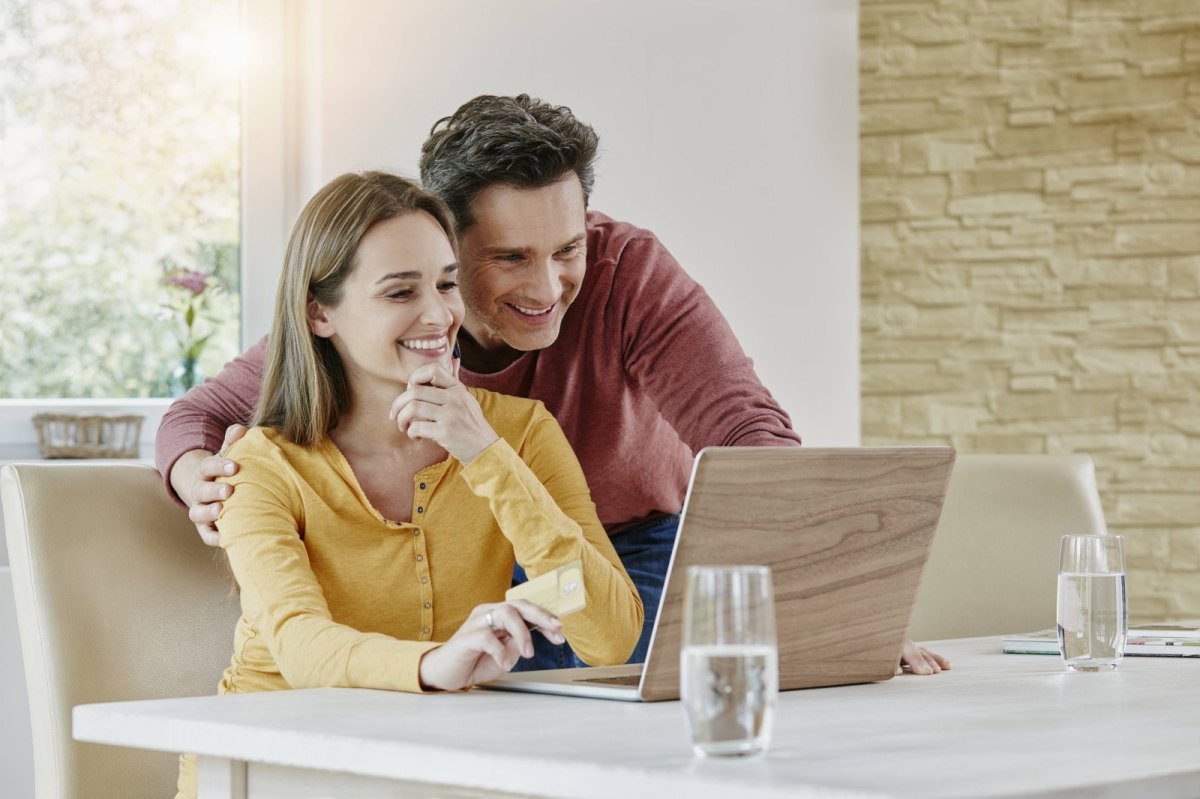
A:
540, 619
508, 619
491, 645
426, 394
433, 375
418, 409
421, 428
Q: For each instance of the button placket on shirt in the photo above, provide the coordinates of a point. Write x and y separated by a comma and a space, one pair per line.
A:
420, 499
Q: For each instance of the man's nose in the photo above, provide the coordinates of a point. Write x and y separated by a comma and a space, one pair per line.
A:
545, 285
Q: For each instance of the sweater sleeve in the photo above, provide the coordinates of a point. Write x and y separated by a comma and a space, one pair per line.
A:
541, 501
678, 347
281, 597
198, 419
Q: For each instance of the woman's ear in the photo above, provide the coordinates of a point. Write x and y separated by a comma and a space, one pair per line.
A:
318, 320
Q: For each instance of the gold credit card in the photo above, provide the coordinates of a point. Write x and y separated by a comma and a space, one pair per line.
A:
559, 591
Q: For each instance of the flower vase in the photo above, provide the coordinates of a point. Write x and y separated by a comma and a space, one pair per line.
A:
186, 375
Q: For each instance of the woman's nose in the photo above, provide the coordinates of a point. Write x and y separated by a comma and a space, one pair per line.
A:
436, 312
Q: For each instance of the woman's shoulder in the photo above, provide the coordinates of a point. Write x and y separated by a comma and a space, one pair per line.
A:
258, 440
511, 417
267, 443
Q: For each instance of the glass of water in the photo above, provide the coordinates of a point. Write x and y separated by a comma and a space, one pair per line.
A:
1093, 616
729, 663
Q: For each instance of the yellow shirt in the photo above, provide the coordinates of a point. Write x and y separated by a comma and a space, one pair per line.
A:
333, 594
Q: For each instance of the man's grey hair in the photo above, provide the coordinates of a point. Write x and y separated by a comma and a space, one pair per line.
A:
515, 141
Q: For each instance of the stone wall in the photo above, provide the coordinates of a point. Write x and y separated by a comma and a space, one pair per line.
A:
1031, 250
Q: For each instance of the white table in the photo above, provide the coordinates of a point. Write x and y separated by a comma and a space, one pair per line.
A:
996, 725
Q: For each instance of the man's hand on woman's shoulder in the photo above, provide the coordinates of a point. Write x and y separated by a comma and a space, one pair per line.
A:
194, 478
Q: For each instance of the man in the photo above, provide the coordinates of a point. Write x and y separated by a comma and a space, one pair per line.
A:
589, 315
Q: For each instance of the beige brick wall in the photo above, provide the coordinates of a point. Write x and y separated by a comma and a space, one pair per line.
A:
1031, 250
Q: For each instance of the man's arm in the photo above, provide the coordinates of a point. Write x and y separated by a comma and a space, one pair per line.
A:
678, 347
196, 427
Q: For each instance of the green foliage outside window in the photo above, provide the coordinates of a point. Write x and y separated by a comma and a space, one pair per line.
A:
119, 164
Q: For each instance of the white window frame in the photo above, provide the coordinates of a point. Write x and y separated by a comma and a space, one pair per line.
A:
278, 154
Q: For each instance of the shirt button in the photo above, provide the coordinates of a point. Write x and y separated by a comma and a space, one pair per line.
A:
416, 532
428, 604
425, 630
420, 557
424, 580
422, 486
420, 509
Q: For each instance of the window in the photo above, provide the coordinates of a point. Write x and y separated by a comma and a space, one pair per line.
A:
119, 195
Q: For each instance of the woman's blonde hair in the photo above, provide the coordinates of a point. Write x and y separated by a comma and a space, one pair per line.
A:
304, 388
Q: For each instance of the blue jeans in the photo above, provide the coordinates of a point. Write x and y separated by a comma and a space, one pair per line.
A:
645, 551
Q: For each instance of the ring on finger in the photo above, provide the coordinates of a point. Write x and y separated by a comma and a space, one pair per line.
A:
491, 623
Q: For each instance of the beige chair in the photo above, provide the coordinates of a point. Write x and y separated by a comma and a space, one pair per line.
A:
994, 565
117, 598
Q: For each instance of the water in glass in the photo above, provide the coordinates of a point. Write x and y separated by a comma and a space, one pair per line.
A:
729, 696
1092, 619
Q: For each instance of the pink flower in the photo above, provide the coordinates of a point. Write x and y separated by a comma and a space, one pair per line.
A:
192, 280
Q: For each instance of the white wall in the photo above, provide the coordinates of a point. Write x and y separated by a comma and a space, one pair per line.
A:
728, 128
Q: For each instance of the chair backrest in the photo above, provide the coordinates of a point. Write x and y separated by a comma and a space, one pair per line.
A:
117, 598
994, 565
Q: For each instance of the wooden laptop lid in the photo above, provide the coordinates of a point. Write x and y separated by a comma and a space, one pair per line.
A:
846, 533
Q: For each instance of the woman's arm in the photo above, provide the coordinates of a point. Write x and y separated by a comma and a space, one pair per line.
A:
282, 598
284, 601
541, 501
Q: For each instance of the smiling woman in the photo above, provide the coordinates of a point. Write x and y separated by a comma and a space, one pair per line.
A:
380, 506
119, 162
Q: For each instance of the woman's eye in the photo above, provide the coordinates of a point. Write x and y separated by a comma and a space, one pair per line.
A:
400, 295
448, 286
570, 248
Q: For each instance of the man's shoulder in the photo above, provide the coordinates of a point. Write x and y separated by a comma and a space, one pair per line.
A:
608, 237
619, 247
624, 258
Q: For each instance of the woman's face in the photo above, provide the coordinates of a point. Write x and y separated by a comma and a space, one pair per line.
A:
400, 307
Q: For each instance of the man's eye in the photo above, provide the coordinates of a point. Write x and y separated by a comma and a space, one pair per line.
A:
511, 258
570, 248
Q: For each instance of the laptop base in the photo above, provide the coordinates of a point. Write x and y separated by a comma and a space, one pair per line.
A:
600, 682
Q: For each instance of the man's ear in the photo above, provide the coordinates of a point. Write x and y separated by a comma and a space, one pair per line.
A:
318, 320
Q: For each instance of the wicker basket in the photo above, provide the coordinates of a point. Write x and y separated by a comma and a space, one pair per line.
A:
70, 435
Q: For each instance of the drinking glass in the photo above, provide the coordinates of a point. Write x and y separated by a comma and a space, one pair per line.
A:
729, 663
1093, 616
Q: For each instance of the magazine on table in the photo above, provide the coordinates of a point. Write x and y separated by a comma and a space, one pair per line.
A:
1181, 640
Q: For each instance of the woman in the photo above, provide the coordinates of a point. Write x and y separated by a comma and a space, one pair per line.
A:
381, 505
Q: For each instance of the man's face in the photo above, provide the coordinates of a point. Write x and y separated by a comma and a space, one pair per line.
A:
523, 263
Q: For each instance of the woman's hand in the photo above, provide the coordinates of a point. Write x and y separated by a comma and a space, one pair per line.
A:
919, 660
487, 645
438, 407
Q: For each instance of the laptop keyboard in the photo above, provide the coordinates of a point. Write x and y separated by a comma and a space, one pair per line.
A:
624, 679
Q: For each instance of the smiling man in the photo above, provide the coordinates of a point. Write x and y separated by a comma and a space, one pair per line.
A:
592, 316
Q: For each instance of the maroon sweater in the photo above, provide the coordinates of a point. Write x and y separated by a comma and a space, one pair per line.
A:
645, 373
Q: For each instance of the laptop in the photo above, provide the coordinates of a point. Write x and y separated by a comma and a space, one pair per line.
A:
846, 533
